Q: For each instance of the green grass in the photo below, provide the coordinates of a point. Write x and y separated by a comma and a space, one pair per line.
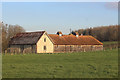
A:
110, 45
99, 64
110, 42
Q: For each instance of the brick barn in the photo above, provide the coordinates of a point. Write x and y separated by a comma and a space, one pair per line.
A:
41, 42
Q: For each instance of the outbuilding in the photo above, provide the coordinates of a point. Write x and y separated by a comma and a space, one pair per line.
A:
41, 42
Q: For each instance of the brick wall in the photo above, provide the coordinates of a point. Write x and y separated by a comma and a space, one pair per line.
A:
77, 48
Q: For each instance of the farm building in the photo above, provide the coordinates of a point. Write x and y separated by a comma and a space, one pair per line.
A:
41, 42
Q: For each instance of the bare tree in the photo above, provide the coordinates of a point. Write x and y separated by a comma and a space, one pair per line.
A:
103, 33
9, 31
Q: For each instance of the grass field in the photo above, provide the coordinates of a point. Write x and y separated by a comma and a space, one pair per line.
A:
110, 42
99, 64
110, 45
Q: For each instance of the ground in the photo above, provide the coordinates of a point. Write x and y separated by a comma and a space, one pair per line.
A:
97, 64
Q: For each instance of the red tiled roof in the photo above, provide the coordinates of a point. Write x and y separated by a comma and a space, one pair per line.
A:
73, 40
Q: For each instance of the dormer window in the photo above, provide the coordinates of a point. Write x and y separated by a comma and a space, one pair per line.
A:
59, 33
77, 35
44, 39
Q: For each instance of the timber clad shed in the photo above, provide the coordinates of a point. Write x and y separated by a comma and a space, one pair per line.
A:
41, 42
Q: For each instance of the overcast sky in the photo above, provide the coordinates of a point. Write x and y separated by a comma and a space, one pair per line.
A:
59, 16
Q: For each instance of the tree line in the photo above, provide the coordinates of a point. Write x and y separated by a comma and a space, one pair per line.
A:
8, 31
102, 33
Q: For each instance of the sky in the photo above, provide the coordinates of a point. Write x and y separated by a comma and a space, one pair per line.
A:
59, 16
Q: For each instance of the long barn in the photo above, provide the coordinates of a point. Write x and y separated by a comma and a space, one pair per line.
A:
41, 42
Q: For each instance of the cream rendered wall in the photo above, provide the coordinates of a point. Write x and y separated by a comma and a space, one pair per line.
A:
41, 44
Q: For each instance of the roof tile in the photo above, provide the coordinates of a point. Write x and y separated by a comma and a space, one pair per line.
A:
73, 40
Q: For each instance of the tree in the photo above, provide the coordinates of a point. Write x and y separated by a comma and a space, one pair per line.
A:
9, 31
102, 33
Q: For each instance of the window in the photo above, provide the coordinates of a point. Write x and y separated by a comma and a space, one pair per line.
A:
44, 39
44, 47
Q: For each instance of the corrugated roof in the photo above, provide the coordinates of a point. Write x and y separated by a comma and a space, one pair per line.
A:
73, 40
26, 38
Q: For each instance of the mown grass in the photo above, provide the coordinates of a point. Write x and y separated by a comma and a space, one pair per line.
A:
98, 64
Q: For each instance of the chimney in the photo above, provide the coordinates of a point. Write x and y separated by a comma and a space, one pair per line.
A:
76, 34
59, 33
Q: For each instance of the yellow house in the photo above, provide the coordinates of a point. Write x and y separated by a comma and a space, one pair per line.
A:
45, 44
41, 42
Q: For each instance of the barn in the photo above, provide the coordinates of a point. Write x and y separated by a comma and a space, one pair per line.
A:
41, 42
